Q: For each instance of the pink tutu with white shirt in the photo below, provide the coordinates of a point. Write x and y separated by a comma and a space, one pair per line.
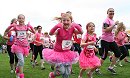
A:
20, 49
54, 57
88, 60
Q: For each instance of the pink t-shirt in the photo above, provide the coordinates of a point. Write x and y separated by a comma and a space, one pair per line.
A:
62, 35
120, 38
21, 35
108, 36
39, 38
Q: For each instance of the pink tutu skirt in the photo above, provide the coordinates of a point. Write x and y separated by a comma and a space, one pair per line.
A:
88, 61
54, 57
17, 49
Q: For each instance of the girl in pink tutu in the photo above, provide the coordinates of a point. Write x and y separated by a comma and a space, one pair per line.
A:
20, 46
61, 56
88, 59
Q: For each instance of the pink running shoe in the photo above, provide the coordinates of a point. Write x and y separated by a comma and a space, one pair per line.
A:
51, 75
21, 75
17, 70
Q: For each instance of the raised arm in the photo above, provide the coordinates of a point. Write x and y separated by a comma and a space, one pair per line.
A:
30, 28
10, 28
78, 27
53, 30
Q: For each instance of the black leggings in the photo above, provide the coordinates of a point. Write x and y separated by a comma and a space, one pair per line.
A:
77, 47
31, 46
36, 50
106, 46
12, 56
123, 51
127, 47
100, 51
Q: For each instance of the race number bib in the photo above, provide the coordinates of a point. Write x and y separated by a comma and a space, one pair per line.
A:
79, 36
90, 46
66, 44
21, 34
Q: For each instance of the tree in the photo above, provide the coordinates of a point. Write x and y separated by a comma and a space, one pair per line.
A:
2, 40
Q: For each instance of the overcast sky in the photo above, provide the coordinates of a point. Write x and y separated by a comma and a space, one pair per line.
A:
41, 12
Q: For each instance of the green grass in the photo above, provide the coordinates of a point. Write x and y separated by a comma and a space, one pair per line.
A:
122, 72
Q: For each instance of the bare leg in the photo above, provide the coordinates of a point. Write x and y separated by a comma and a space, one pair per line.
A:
90, 73
113, 61
81, 73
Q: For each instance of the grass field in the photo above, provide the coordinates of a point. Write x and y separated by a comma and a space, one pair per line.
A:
122, 72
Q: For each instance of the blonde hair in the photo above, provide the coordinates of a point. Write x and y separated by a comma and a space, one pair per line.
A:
120, 26
63, 15
45, 33
67, 15
57, 18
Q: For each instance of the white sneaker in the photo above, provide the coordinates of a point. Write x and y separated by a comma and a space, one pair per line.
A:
17, 75
12, 71
117, 60
42, 67
114, 66
120, 64
79, 77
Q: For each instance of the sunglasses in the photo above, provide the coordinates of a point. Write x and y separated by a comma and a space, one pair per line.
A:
111, 14
111, 11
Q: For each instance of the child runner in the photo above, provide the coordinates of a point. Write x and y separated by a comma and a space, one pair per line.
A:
10, 37
61, 56
88, 59
20, 46
46, 40
120, 36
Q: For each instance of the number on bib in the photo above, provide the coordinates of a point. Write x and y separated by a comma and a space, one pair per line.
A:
90, 46
67, 44
21, 34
